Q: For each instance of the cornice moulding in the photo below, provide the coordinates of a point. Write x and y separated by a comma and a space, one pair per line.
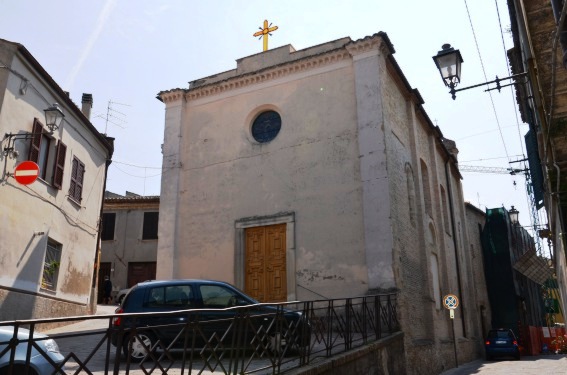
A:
268, 74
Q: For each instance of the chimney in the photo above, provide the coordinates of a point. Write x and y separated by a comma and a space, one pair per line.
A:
87, 104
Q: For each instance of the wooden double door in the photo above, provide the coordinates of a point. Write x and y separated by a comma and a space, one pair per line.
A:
265, 263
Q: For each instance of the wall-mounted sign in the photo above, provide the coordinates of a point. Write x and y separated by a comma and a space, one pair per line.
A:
451, 301
26, 172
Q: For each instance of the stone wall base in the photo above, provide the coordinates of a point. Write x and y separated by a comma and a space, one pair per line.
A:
19, 305
381, 357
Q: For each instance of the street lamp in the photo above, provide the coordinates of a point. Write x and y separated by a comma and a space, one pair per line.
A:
53, 117
449, 60
513, 215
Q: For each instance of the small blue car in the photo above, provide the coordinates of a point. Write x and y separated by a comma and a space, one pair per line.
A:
43, 347
501, 343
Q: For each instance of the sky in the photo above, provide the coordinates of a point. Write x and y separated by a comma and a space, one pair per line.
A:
125, 52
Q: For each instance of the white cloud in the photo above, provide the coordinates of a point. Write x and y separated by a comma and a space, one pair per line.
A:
100, 23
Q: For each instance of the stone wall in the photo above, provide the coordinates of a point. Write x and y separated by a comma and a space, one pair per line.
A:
382, 357
22, 306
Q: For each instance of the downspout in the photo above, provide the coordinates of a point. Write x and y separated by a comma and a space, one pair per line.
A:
452, 214
94, 293
558, 207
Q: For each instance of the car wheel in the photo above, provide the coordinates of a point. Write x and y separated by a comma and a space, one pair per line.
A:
275, 343
139, 345
488, 357
17, 369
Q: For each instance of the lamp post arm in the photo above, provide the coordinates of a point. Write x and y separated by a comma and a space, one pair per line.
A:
11, 137
498, 87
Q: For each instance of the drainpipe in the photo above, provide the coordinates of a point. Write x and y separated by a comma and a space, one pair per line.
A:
94, 295
558, 207
452, 214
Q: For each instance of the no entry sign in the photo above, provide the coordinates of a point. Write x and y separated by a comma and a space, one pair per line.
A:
26, 172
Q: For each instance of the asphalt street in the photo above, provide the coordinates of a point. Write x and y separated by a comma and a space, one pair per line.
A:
528, 365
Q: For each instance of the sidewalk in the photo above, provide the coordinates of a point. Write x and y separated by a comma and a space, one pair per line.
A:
89, 324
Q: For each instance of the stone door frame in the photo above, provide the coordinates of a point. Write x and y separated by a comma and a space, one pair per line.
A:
240, 225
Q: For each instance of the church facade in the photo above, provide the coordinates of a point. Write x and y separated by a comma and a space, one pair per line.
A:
316, 174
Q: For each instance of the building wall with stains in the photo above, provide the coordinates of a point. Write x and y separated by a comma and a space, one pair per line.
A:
44, 225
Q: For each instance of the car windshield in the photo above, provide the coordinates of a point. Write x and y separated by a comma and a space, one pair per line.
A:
500, 335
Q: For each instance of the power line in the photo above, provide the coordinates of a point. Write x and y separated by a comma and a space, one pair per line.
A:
134, 165
483, 159
509, 74
486, 79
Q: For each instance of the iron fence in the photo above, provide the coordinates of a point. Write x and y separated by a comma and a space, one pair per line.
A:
253, 339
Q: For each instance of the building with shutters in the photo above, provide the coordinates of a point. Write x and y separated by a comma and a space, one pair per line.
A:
316, 173
50, 228
540, 52
128, 240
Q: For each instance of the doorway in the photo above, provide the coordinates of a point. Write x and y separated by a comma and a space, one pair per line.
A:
265, 262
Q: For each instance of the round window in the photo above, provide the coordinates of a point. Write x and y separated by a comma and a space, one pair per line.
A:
266, 126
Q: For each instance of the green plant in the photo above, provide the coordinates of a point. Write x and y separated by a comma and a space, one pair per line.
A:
51, 267
49, 270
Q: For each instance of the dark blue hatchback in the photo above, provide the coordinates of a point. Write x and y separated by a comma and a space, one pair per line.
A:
501, 343
205, 314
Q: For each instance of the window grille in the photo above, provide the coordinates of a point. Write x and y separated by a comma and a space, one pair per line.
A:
51, 266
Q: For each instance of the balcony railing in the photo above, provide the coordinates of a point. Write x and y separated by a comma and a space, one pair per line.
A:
250, 342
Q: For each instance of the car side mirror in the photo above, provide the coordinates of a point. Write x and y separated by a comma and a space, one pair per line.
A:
241, 302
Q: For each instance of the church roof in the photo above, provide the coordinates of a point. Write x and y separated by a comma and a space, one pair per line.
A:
276, 57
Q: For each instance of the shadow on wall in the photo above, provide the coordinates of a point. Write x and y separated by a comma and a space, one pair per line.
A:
20, 300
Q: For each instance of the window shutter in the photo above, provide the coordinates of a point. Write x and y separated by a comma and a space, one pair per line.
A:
59, 165
73, 178
77, 176
80, 176
35, 144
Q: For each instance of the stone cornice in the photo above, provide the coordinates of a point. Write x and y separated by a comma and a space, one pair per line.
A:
378, 41
366, 45
171, 95
268, 74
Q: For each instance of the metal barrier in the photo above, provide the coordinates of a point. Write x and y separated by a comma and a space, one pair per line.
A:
257, 339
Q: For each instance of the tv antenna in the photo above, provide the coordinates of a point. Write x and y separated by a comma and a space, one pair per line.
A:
113, 116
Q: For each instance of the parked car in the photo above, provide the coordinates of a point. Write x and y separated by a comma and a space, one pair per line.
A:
121, 294
38, 363
268, 327
501, 343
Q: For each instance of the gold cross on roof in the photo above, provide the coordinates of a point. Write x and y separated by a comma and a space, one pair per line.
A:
264, 32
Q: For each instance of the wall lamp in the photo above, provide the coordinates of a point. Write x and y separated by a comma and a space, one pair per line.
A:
449, 61
514, 215
53, 118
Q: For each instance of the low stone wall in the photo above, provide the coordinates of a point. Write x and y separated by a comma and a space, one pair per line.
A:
425, 357
385, 356
17, 305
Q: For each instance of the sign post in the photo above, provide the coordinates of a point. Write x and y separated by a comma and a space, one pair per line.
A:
26, 172
451, 302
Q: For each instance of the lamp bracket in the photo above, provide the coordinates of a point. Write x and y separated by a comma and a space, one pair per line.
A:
9, 148
498, 87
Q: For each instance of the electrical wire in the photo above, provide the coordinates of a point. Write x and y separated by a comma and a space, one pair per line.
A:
514, 104
486, 79
136, 176
134, 165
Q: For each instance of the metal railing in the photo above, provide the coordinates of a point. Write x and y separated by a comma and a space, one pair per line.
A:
257, 339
